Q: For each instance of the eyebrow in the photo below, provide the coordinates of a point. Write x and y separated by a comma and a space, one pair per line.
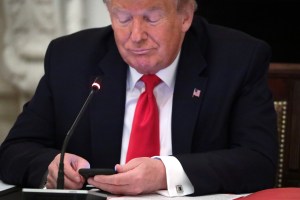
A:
148, 10
154, 8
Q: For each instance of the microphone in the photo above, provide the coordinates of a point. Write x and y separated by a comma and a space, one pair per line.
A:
59, 193
60, 177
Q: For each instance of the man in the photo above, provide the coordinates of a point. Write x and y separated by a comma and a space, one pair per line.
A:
217, 122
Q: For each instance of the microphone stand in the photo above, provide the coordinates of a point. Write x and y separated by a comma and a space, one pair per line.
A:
60, 193
61, 174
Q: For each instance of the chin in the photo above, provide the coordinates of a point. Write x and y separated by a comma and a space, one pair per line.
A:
146, 70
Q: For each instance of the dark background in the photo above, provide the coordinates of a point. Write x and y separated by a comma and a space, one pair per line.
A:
275, 21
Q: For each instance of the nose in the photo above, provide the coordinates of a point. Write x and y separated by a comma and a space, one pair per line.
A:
138, 31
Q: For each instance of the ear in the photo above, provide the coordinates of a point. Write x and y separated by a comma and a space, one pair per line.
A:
187, 14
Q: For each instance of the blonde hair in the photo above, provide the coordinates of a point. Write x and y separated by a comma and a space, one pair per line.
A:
179, 3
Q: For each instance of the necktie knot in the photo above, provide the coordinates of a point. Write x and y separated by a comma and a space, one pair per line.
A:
151, 81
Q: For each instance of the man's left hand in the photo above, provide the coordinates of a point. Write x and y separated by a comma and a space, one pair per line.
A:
138, 176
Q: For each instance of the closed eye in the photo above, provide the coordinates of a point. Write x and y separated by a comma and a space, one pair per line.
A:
121, 16
153, 17
123, 19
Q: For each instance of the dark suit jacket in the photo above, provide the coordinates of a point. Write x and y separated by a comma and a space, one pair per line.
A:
225, 139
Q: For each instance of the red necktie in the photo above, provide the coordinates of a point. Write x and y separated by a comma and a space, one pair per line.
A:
144, 138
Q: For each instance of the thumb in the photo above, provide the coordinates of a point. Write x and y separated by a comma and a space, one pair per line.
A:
132, 164
82, 163
72, 164
77, 162
120, 168
124, 168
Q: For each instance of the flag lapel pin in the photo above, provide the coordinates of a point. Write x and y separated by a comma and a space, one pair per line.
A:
196, 93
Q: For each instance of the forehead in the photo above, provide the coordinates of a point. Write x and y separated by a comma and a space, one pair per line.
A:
141, 5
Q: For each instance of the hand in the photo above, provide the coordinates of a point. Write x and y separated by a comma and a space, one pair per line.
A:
138, 176
72, 163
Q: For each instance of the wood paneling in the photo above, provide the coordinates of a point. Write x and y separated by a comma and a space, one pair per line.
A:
284, 81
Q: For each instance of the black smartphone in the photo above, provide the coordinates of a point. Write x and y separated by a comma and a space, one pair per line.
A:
86, 172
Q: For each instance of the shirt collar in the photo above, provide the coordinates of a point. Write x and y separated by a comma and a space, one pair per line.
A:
167, 75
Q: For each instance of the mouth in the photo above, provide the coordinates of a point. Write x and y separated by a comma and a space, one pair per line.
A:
140, 51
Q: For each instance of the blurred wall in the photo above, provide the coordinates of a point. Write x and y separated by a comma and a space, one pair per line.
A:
23, 44
8, 94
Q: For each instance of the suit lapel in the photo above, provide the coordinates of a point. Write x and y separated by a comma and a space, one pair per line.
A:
108, 111
190, 76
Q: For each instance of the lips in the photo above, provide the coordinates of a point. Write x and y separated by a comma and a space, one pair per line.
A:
140, 51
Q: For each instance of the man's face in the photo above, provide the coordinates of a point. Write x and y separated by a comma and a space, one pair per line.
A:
148, 33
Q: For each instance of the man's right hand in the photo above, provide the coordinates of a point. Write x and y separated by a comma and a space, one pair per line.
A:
72, 163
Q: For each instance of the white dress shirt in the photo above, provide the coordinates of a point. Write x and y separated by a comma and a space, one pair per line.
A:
177, 180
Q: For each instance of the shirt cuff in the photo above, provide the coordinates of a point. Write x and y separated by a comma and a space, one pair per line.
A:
177, 181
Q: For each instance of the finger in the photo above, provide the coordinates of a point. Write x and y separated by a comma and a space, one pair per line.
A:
114, 188
123, 177
70, 184
51, 177
72, 164
119, 189
119, 168
51, 182
73, 180
81, 163
49, 185
72, 174
130, 165
52, 174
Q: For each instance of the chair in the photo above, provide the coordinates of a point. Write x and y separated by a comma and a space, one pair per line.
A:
280, 107
284, 82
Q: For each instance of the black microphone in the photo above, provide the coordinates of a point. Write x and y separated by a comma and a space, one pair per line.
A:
59, 193
60, 177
